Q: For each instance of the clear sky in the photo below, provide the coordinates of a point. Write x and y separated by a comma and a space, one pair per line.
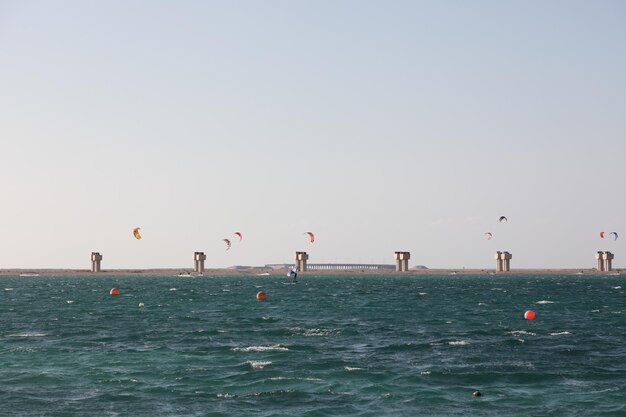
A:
378, 125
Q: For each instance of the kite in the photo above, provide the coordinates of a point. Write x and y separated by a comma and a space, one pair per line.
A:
227, 243
503, 218
613, 233
489, 235
311, 236
602, 235
240, 235
136, 233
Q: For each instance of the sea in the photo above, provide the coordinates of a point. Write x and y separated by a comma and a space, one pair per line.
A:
324, 345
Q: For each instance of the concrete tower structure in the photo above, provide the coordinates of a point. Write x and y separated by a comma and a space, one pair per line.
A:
96, 259
402, 261
498, 261
503, 261
301, 258
608, 261
198, 262
599, 261
506, 261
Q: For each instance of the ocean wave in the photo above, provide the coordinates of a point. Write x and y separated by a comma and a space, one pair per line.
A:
617, 288
300, 331
196, 369
521, 333
22, 349
425, 373
286, 378
27, 335
271, 348
544, 302
352, 368
560, 333
458, 343
258, 364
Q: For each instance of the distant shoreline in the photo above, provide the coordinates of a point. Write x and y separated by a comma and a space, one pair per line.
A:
278, 272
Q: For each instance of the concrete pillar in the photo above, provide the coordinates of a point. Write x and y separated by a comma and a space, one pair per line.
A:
599, 261
506, 261
402, 261
608, 261
96, 259
498, 261
198, 262
301, 258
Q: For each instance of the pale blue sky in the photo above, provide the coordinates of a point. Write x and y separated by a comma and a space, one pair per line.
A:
379, 125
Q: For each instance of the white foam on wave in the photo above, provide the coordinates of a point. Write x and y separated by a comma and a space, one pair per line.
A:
423, 293
172, 289
458, 343
595, 311
617, 288
544, 302
425, 373
226, 395
271, 348
70, 301
258, 364
560, 333
8, 289
522, 333
27, 335
313, 332
352, 368
286, 378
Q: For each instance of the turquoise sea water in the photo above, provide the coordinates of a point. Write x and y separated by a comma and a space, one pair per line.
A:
324, 346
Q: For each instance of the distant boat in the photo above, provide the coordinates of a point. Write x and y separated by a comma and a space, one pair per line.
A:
29, 274
185, 275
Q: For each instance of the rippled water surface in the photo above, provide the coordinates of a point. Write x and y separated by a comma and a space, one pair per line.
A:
324, 346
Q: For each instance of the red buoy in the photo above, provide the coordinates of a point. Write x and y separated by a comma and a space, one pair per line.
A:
529, 315
261, 296
114, 291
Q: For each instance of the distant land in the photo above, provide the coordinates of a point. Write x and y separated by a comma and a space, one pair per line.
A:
273, 271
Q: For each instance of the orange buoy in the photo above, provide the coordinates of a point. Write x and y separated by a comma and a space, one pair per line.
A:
529, 315
114, 291
261, 296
